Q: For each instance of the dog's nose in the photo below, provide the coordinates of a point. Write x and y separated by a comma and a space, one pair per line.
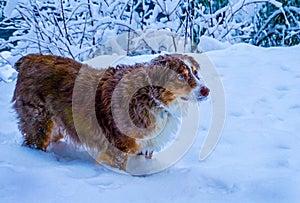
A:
204, 91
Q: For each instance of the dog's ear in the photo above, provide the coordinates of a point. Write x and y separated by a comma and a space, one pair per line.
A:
163, 62
160, 60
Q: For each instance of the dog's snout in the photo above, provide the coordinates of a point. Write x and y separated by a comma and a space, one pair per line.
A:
204, 91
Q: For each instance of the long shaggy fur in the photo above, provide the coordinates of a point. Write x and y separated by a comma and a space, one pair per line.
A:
44, 93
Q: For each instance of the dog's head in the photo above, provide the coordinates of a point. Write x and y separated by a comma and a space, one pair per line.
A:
180, 78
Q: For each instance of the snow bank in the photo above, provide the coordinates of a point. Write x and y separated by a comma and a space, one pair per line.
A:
9, 9
7, 73
144, 42
211, 44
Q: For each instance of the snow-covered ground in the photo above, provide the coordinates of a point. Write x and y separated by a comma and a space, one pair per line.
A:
256, 160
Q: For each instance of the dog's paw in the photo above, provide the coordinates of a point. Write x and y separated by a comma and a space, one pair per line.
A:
147, 154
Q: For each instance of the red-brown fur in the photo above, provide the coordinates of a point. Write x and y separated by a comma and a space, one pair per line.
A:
44, 92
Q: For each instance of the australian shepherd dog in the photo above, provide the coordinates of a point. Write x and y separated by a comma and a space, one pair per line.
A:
121, 108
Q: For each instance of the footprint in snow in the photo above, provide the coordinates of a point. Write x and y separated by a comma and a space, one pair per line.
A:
283, 147
104, 184
213, 186
283, 163
285, 68
295, 107
282, 88
236, 114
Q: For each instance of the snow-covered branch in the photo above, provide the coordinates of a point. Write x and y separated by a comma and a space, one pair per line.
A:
69, 27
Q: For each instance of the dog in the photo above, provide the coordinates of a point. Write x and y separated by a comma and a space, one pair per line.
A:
115, 112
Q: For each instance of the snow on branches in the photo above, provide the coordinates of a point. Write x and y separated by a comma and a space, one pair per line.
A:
79, 28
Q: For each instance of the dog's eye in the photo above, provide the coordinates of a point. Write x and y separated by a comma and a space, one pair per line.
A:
181, 77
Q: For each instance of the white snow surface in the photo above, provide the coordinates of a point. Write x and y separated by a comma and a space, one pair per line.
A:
256, 160
7, 73
210, 44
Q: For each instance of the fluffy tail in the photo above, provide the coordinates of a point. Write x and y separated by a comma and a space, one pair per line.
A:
20, 66
23, 60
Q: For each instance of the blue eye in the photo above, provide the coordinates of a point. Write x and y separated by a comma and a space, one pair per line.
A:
181, 77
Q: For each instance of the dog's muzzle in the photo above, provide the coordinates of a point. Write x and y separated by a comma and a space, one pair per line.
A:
201, 93
204, 91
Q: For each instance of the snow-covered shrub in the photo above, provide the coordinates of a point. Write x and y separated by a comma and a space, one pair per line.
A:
57, 27
145, 42
2, 4
278, 25
82, 28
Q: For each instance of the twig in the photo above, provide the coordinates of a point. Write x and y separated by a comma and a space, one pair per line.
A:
4, 59
211, 19
129, 32
92, 21
83, 33
64, 22
187, 23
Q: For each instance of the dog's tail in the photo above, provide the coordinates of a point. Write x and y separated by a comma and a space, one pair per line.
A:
22, 66
24, 60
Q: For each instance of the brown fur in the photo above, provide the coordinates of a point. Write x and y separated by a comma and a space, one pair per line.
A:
44, 92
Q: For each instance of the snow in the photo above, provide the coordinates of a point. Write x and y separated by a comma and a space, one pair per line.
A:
7, 73
211, 44
142, 42
256, 159
9, 8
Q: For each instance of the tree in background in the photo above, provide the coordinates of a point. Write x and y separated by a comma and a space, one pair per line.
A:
277, 26
197, 19
78, 28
